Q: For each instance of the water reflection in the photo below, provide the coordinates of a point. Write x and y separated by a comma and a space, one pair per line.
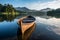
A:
45, 29
7, 17
8, 30
8, 27
26, 35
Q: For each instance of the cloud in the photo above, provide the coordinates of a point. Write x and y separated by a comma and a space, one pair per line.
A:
38, 5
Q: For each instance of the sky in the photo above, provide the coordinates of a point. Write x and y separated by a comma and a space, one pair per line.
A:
33, 4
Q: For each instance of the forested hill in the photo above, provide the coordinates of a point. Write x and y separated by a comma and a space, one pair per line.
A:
6, 8
9, 10
55, 12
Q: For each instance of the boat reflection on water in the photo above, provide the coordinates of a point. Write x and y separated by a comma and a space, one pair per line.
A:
26, 34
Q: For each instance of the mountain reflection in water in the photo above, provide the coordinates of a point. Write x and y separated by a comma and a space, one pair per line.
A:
45, 29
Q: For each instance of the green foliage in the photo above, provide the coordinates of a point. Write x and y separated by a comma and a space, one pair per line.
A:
55, 13
0, 7
7, 8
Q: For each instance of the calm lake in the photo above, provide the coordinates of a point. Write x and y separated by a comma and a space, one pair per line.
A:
45, 29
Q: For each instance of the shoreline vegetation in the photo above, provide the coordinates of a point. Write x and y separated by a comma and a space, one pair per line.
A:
8, 9
54, 13
8, 12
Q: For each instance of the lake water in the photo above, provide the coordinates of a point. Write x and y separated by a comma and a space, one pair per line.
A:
45, 29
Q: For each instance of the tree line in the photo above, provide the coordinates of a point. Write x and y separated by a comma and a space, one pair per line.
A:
9, 9
6, 8
55, 12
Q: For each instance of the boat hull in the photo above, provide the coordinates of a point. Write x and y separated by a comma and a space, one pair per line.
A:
25, 26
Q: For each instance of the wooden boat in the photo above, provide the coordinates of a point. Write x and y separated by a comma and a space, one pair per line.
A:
26, 23
27, 34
